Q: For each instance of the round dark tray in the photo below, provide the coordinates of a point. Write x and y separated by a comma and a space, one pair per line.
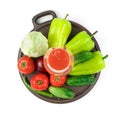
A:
44, 28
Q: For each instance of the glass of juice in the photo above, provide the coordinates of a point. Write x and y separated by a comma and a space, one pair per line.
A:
58, 61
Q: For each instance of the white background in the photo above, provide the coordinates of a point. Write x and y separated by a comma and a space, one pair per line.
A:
102, 102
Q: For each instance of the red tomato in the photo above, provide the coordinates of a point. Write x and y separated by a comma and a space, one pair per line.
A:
57, 80
39, 64
26, 65
39, 81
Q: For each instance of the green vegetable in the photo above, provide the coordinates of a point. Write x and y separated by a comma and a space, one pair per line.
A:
34, 44
80, 42
81, 80
47, 94
62, 92
59, 32
82, 57
91, 66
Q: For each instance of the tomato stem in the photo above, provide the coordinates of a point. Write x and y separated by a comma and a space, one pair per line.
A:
39, 82
57, 78
23, 64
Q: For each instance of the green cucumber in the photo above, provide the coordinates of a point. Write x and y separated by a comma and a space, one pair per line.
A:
62, 92
81, 80
82, 57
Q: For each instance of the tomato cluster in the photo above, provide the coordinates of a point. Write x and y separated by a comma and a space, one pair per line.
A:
41, 80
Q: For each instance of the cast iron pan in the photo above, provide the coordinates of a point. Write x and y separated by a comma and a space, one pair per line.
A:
44, 28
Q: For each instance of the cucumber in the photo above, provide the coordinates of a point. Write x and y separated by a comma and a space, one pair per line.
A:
81, 80
82, 57
62, 92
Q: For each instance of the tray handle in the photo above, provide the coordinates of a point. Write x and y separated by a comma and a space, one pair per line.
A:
37, 24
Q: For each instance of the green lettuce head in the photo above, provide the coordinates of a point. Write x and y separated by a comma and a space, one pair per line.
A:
34, 44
